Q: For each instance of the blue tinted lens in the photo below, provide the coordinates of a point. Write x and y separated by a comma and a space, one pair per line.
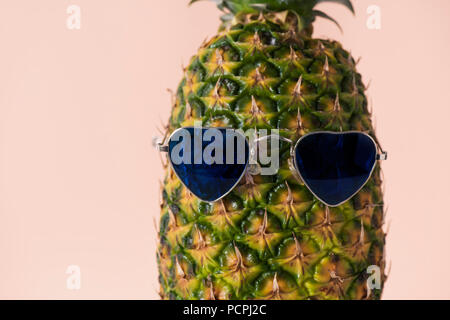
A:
209, 161
335, 166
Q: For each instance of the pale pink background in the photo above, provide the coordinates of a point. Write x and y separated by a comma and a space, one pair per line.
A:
78, 110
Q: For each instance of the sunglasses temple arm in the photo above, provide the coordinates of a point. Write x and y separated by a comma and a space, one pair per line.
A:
163, 148
382, 156
159, 145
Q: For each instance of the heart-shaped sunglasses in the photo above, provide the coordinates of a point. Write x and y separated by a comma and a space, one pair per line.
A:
334, 166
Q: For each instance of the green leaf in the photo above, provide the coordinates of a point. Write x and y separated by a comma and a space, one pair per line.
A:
304, 9
219, 3
318, 13
347, 3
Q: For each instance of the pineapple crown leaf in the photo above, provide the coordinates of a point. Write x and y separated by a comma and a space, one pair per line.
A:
302, 8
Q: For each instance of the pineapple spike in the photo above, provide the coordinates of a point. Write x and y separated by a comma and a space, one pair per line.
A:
298, 248
388, 227
211, 291
326, 67
204, 43
173, 97
257, 41
189, 81
161, 189
327, 220
280, 17
219, 58
355, 90
258, 78
336, 282
160, 131
263, 227
367, 86
201, 241
298, 88
158, 238
370, 106
361, 234
262, 230
247, 18
261, 17
385, 211
216, 94
289, 203
188, 111
250, 184
325, 226
368, 292
219, 62
163, 130
289, 198
155, 226
297, 94
239, 266
239, 263
299, 128
257, 44
222, 204
321, 47
326, 71
388, 270
337, 104
275, 287
337, 110
179, 269
172, 219
292, 55
223, 211
291, 36
255, 110
249, 180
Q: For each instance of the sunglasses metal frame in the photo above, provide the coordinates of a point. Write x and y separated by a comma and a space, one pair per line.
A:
293, 157
165, 148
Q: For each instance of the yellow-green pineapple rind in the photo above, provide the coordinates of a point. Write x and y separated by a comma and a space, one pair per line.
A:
270, 238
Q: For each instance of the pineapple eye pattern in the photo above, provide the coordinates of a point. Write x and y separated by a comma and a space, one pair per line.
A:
270, 237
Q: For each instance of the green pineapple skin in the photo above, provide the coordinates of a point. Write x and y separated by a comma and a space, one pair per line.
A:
270, 238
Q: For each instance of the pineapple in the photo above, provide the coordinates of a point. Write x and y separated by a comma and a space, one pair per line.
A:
270, 238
